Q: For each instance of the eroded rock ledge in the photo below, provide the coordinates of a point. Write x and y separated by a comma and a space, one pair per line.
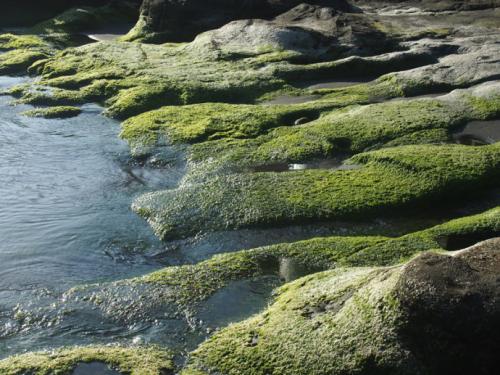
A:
287, 113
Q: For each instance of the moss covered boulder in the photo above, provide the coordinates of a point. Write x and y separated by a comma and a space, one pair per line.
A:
426, 317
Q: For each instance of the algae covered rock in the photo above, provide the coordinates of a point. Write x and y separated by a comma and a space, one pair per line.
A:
182, 293
389, 179
54, 112
129, 360
425, 317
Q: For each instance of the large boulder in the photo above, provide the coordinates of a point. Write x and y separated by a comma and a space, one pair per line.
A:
313, 31
180, 20
452, 304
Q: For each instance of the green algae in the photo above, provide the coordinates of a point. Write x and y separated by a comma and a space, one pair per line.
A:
17, 61
338, 322
348, 131
176, 74
196, 282
54, 112
131, 80
209, 121
11, 41
362, 320
388, 179
133, 360
44, 39
232, 135
193, 283
185, 75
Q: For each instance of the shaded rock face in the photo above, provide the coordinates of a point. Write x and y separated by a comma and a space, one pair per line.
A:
179, 20
34, 11
453, 309
444, 5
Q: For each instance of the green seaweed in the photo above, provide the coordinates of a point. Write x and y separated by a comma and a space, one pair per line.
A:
11, 42
338, 322
18, 60
54, 112
193, 283
132, 360
388, 179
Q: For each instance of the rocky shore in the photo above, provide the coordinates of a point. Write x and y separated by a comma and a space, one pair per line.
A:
290, 113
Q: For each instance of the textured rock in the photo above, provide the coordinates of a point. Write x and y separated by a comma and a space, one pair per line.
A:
175, 20
452, 304
314, 31
438, 314
34, 11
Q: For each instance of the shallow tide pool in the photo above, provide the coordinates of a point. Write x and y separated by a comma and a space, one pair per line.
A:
66, 187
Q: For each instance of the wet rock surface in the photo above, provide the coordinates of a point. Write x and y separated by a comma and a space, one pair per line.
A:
410, 311
319, 177
94, 368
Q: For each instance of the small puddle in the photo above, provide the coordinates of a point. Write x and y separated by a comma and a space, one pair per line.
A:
289, 99
109, 33
104, 37
423, 96
335, 84
329, 164
237, 301
94, 368
479, 133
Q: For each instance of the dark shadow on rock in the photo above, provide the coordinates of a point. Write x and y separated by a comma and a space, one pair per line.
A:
452, 307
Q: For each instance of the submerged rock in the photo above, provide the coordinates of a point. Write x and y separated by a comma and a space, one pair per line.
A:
425, 317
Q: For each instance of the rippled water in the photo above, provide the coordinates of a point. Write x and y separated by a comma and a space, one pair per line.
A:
65, 191
66, 187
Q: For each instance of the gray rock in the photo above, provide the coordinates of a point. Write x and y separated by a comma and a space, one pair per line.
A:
174, 20
312, 31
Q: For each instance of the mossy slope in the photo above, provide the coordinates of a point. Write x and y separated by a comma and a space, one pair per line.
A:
388, 179
54, 112
337, 322
246, 135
